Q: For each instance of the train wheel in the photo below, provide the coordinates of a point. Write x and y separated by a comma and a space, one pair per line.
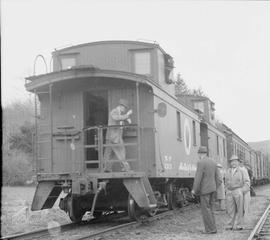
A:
134, 211
137, 213
172, 197
152, 212
75, 211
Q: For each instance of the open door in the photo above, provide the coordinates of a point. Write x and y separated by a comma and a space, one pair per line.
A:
95, 114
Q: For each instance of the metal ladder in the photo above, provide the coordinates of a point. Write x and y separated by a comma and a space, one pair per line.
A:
39, 134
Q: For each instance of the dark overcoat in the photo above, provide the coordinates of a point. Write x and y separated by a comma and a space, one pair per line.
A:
207, 177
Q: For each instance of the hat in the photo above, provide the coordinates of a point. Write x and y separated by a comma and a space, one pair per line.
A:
234, 157
123, 102
202, 149
219, 165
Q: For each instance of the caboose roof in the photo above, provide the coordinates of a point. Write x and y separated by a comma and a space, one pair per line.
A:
143, 44
34, 82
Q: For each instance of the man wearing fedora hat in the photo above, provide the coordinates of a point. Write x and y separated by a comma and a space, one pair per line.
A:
206, 181
236, 184
114, 135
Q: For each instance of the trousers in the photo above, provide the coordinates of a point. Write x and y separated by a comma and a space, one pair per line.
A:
120, 153
207, 212
234, 201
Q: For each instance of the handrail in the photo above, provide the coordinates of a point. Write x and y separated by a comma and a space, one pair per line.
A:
100, 146
109, 126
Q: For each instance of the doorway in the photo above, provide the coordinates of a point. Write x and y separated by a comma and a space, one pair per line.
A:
95, 115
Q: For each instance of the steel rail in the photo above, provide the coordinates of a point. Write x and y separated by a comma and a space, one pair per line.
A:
125, 225
260, 224
37, 232
136, 223
70, 226
64, 227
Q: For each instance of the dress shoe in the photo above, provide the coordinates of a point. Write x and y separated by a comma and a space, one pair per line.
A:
228, 228
238, 229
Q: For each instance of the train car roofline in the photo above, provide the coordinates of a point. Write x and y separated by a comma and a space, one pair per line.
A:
84, 72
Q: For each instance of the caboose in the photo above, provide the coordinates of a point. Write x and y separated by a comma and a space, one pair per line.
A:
73, 103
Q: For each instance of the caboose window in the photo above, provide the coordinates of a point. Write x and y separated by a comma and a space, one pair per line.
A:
68, 63
199, 106
194, 133
178, 119
142, 63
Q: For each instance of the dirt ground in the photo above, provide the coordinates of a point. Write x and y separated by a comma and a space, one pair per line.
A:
16, 217
187, 225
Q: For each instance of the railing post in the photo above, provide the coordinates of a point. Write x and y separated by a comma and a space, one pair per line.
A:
83, 167
36, 134
100, 148
138, 124
51, 126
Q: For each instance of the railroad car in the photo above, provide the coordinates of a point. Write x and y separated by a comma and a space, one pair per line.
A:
253, 164
212, 136
72, 107
262, 169
75, 100
255, 161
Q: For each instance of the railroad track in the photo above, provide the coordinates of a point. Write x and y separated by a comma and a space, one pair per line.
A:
88, 232
47, 232
39, 233
262, 228
125, 225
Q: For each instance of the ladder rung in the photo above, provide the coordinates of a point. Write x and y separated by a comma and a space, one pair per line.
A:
126, 160
92, 161
90, 146
39, 158
42, 92
120, 144
43, 141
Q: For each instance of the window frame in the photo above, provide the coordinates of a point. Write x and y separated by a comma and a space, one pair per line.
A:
133, 62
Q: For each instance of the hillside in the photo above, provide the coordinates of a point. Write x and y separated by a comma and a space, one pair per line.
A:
263, 146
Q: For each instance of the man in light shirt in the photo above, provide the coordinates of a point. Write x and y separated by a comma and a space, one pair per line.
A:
236, 184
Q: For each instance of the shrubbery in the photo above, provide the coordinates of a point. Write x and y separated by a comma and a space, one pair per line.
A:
17, 168
17, 149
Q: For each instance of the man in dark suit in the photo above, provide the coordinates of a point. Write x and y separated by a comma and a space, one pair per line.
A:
206, 180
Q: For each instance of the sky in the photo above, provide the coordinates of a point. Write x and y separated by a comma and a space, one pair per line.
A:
222, 47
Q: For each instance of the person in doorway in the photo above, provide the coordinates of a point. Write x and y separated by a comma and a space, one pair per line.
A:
117, 116
236, 184
221, 190
206, 181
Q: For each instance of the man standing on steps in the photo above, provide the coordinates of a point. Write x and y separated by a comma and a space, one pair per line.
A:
115, 135
206, 181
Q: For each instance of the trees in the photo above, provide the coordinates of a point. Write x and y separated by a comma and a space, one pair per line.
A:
17, 168
22, 140
181, 88
17, 143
